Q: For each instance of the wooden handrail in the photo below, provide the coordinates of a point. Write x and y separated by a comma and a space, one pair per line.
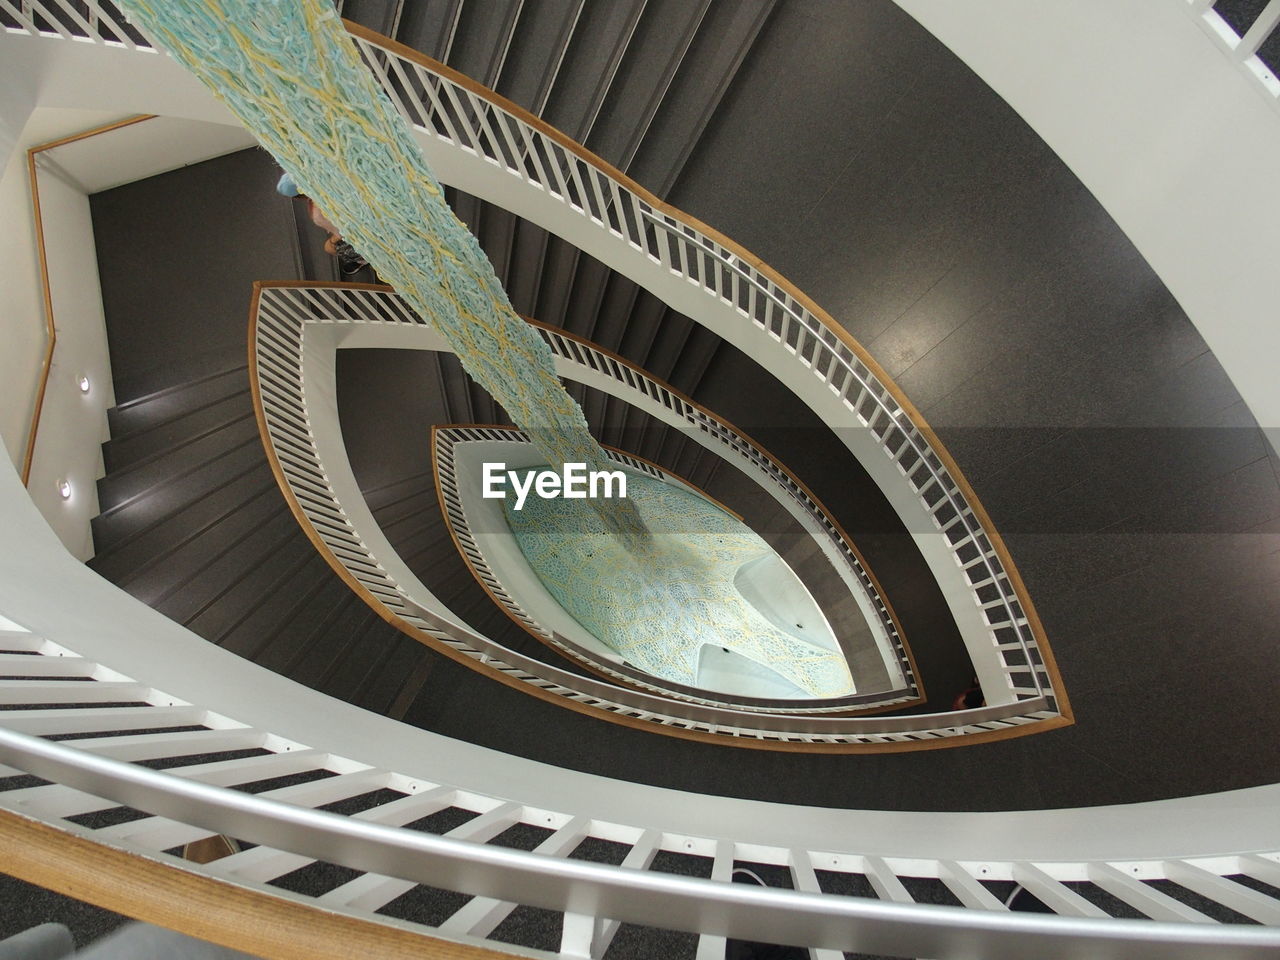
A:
627, 681
199, 905
391, 617
51, 331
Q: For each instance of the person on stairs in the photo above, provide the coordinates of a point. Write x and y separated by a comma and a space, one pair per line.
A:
348, 259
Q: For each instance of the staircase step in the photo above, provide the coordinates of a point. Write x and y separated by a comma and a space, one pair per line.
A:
363, 658
131, 449
402, 676
558, 269
694, 360
112, 528
352, 627
483, 38
641, 328
327, 603
155, 408
585, 297
203, 600
429, 27
589, 65
168, 467
178, 375
178, 551
379, 16
542, 38
619, 301
668, 345
275, 615
652, 58
312, 594
718, 51
525, 274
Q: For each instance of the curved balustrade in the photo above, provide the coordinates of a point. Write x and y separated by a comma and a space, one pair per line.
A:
452, 113
876, 420
1184, 863
294, 329
386, 854
755, 461
445, 465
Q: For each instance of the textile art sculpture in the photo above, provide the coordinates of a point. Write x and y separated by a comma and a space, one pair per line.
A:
290, 72
658, 616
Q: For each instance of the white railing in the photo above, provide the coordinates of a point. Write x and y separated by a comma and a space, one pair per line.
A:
455, 113
1184, 863
452, 110
291, 368
1243, 48
395, 849
451, 503
758, 462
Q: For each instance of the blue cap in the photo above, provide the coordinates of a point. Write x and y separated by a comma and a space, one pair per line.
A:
286, 187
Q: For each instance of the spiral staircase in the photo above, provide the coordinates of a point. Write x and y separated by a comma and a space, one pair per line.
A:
397, 835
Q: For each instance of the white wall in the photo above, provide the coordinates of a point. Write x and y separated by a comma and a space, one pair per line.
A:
22, 319
73, 423
1175, 140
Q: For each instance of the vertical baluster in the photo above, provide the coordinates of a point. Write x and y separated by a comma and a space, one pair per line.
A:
712, 946
804, 879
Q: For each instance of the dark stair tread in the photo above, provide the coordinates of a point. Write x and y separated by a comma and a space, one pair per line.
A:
269, 618
655, 52
124, 451
590, 65
429, 27
543, 34
399, 679
176, 460
483, 37
328, 649
380, 16
718, 50
314, 594
120, 559
118, 525
152, 409
166, 562
238, 575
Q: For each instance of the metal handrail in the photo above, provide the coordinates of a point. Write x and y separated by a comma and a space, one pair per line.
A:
663, 900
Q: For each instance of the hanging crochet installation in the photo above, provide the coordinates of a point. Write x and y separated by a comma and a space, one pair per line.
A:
289, 71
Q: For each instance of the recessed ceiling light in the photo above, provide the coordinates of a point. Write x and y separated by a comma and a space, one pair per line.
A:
64, 488
84, 384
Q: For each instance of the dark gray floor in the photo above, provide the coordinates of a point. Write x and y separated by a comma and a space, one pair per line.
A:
24, 905
859, 157
1134, 489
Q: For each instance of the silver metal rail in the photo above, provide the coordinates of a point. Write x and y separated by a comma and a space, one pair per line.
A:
188, 802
